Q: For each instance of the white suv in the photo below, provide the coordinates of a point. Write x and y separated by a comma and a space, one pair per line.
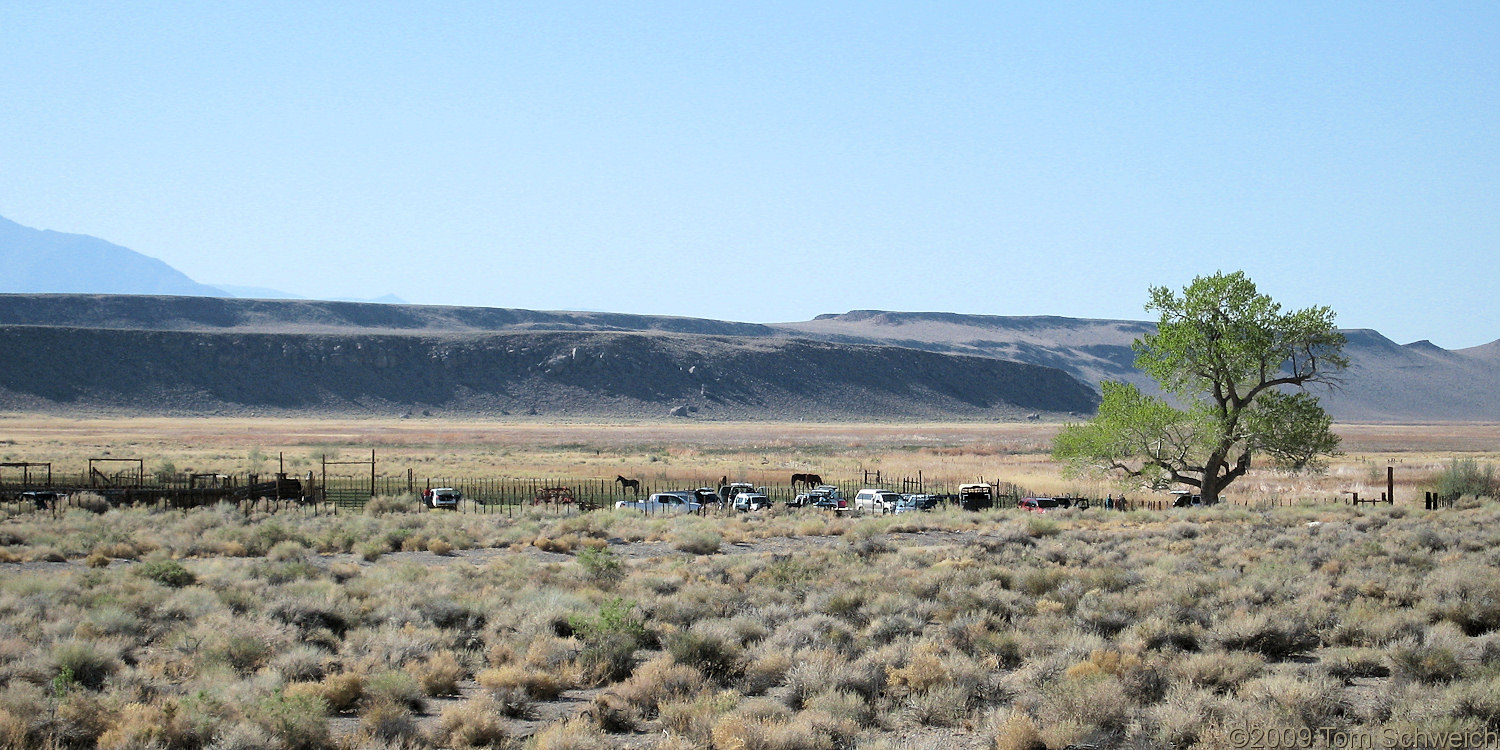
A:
876, 501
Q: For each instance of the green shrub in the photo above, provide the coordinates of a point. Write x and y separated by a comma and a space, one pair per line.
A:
298, 722
1041, 526
602, 566
395, 687
167, 573
610, 640
1466, 476
371, 551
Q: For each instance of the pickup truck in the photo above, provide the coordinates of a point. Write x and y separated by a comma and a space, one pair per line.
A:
663, 502
874, 500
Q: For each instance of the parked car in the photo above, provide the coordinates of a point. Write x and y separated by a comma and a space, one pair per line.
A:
748, 501
728, 492
909, 504
1038, 504
1187, 499
707, 495
922, 501
812, 496
835, 504
976, 496
442, 497
871, 500
663, 502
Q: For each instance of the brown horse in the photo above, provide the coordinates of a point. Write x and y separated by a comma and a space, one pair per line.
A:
629, 484
811, 480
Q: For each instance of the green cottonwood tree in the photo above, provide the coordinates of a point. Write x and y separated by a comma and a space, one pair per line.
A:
1240, 367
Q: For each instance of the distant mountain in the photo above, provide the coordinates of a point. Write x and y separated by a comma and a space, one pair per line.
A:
256, 292
46, 261
37, 261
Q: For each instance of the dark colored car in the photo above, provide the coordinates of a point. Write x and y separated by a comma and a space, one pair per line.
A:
838, 505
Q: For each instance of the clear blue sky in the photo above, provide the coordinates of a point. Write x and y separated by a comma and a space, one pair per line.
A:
772, 161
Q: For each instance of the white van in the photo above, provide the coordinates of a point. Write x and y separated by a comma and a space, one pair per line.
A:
876, 501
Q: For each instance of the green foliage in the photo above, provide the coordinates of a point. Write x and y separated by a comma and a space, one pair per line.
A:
295, 721
165, 471
395, 687
1466, 476
1223, 333
602, 566
167, 573
610, 639
1233, 359
1038, 526
63, 682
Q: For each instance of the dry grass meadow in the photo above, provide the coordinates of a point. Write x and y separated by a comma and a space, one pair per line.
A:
1316, 625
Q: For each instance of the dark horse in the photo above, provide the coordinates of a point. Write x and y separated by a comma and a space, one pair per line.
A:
811, 480
629, 484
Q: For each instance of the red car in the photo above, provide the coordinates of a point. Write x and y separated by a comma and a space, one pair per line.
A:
1037, 504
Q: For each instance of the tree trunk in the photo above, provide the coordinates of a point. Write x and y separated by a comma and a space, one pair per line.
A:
1212, 486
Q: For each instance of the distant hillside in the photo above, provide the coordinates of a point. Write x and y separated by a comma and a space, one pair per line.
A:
1091, 350
575, 374
315, 316
1388, 381
46, 261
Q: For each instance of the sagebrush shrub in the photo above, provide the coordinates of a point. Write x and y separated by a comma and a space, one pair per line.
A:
535, 683
474, 722
698, 542
1016, 731
88, 663
388, 504
166, 572
712, 654
439, 674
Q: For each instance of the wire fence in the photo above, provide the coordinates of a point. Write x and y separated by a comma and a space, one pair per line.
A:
314, 494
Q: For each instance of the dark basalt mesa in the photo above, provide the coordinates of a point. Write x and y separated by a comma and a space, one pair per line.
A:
567, 373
